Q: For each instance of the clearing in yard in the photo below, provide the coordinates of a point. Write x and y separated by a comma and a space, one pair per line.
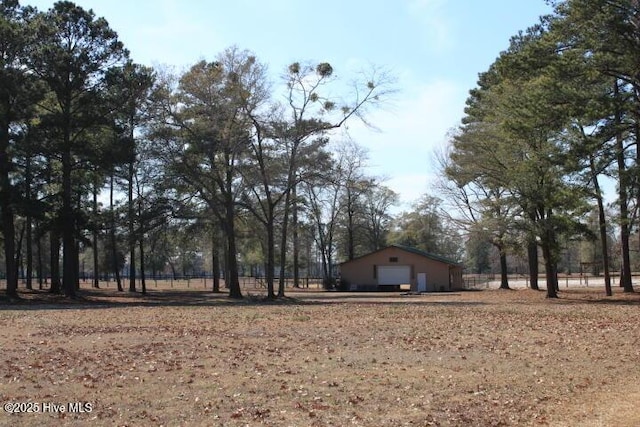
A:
193, 358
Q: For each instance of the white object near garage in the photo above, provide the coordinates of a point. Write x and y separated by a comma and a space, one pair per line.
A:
394, 274
422, 282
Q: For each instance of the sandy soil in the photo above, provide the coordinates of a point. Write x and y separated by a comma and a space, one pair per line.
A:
192, 358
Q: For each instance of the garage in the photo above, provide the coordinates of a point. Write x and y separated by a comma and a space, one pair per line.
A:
394, 274
396, 267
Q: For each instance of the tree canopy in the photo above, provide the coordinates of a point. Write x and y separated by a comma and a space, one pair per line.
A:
263, 170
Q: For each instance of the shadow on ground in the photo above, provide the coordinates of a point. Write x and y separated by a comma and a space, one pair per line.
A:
105, 298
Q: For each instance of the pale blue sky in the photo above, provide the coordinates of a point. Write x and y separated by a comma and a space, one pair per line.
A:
436, 48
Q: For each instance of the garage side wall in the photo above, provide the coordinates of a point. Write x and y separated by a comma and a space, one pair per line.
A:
456, 278
363, 271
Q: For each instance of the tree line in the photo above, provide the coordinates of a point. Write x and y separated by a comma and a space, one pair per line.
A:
554, 116
107, 162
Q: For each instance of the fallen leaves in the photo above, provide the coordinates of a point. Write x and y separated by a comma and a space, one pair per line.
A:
491, 358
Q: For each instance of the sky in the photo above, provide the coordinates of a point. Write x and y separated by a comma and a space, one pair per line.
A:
434, 48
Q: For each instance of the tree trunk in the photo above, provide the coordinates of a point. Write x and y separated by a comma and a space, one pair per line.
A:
296, 242
321, 241
8, 234
29, 225
54, 252
350, 226
76, 264
6, 205
174, 274
326, 275
19, 266
271, 251
329, 254
550, 272
143, 282
636, 132
94, 239
76, 247
39, 269
602, 225
132, 239
549, 263
215, 262
68, 226
504, 277
291, 182
532, 257
114, 260
232, 280
283, 244
112, 233
625, 279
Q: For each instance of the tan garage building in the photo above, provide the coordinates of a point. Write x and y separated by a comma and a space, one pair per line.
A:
396, 265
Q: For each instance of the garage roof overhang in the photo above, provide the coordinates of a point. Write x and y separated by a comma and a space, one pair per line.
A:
413, 251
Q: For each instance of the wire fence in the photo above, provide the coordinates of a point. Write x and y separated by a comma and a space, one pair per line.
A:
470, 282
492, 281
170, 282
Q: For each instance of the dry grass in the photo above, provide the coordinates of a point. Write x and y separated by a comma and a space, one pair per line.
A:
191, 358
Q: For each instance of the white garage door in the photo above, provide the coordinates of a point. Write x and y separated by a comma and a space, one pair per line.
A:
394, 274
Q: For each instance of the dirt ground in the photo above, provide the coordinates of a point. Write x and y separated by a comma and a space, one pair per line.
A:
193, 358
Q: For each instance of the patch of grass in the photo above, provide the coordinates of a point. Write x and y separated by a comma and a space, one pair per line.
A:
253, 316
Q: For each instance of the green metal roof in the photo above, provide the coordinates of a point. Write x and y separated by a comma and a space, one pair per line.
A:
413, 251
